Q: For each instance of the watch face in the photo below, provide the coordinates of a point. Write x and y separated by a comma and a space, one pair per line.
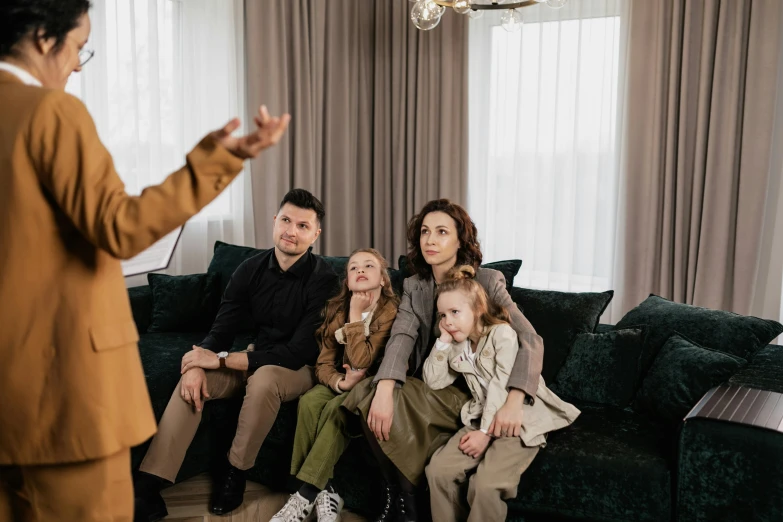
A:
223, 354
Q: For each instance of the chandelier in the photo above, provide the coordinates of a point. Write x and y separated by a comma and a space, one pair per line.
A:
426, 14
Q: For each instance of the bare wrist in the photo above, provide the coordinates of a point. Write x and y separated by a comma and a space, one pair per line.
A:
237, 361
386, 385
516, 397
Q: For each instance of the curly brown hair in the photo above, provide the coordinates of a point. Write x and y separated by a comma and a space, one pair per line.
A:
341, 303
486, 311
469, 252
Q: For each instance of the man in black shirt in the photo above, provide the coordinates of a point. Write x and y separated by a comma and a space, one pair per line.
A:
284, 290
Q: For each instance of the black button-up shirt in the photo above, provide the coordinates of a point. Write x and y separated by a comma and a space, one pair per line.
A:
285, 308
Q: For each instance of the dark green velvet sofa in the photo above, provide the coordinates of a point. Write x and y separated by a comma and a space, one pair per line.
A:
612, 464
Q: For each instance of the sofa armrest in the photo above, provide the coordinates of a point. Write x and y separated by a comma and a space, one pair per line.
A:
730, 449
141, 306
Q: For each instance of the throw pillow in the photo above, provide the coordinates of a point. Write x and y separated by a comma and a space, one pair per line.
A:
338, 265
681, 374
397, 277
226, 259
508, 268
187, 303
602, 368
558, 318
730, 333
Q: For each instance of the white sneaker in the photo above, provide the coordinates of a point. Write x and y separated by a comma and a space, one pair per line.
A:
297, 509
328, 506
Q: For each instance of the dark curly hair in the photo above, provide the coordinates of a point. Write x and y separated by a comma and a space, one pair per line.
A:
56, 18
469, 252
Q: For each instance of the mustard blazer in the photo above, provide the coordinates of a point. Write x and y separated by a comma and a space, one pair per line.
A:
71, 382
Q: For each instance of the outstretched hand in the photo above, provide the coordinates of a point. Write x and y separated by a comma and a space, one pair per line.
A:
268, 132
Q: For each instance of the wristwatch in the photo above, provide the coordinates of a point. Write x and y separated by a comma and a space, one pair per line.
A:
222, 356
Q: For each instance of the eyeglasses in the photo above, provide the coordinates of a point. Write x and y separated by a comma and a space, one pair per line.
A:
85, 55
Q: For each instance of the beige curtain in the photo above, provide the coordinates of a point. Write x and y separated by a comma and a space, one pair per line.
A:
379, 113
702, 80
768, 296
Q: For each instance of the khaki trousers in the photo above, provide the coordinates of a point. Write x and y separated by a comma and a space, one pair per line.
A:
495, 480
91, 491
265, 390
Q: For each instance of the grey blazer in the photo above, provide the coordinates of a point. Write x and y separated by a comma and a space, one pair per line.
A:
411, 331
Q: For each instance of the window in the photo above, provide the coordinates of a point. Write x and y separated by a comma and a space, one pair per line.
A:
163, 75
543, 169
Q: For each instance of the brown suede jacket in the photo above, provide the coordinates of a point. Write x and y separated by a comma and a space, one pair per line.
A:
359, 344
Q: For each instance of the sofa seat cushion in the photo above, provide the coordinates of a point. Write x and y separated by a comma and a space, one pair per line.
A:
610, 465
729, 472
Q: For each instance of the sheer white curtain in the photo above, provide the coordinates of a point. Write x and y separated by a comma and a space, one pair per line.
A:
165, 73
545, 110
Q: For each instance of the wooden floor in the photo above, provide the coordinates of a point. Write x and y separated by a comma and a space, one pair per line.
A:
189, 500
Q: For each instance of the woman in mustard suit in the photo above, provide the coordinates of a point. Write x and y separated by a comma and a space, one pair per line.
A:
74, 395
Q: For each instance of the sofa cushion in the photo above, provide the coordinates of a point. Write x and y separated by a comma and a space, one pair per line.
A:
764, 372
559, 317
508, 268
680, 375
726, 332
338, 264
610, 465
227, 258
397, 279
187, 303
602, 368
141, 306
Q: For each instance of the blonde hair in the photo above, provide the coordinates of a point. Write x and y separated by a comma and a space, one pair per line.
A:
486, 311
341, 303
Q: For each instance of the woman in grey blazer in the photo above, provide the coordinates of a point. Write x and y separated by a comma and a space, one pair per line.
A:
404, 419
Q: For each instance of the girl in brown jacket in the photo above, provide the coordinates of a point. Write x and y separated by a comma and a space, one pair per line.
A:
357, 325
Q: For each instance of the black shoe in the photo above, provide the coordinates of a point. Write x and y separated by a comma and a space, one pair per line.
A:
230, 494
148, 505
389, 509
406, 507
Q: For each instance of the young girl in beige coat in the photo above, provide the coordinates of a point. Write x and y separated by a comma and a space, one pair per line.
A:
478, 344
